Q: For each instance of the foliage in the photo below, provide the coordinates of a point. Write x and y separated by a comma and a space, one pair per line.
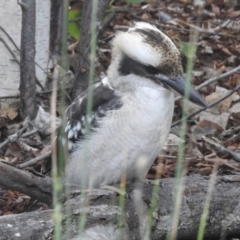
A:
73, 27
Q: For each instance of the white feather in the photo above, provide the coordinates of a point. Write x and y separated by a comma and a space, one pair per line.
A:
70, 133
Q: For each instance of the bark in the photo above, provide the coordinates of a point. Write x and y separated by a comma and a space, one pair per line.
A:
37, 187
103, 213
56, 27
82, 62
27, 66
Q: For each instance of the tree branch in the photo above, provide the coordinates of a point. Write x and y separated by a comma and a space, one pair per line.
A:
35, 160
221, 149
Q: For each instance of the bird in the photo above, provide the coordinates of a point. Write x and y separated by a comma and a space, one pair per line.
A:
132, 110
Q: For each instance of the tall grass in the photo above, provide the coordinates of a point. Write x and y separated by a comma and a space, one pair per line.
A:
205, 212
179, 171
153, 206
93, 46
57, 184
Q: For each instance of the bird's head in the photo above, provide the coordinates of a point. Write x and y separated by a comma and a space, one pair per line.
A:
146, 52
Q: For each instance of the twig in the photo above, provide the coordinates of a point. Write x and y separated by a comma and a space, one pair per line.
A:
35, 160
230, 131
14, 137
4, 143
234, 138
39, 84
28, 134
212, 158
105, 24
220, 149
22, 5
214, 79
10, 38
18, 62
175, 157
15, 58
211, 105
219, 29
9, 49
196, 28
26, 147
167, 156
15, 45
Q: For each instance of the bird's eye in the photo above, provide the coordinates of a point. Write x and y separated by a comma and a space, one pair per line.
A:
152, 70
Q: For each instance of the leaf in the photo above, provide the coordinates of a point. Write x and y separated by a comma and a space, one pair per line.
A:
10, 113
206, 128
73, 27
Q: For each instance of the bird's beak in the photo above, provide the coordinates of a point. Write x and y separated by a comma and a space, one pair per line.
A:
179, 85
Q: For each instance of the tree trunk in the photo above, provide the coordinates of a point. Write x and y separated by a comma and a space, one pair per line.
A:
27, 66
56, 27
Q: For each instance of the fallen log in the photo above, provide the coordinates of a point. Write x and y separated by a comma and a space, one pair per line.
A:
103, 213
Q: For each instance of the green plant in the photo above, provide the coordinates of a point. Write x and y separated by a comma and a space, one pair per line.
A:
73, 26
189, 49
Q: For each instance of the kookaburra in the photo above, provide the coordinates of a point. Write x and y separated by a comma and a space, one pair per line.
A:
132, 110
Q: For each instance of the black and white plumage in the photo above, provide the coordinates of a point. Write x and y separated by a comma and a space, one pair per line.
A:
104, 99
131, 113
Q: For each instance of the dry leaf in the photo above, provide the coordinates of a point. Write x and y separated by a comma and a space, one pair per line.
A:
213, 97
235, 108
216, 9
206, 128
9, 113
226, 51
220, 119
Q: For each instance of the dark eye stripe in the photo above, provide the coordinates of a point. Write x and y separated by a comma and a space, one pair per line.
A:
152, 70
128, 66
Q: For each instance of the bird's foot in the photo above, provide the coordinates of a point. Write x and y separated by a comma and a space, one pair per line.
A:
151, 182
117, 190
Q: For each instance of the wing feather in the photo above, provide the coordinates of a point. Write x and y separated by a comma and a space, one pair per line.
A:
104, 100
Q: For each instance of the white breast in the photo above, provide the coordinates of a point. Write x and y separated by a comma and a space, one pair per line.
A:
127, 141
